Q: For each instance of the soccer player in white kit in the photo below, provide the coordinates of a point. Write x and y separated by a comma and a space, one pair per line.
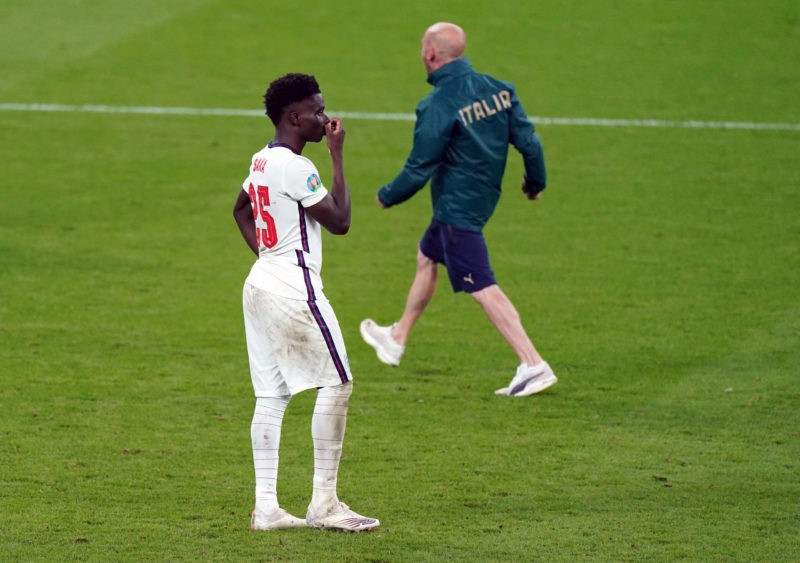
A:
294, 341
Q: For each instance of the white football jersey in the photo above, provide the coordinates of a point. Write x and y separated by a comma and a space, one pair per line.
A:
281, 184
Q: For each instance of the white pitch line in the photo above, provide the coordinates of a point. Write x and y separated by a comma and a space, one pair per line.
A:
539, 120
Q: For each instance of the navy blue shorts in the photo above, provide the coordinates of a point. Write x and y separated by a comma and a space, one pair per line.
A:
463, 253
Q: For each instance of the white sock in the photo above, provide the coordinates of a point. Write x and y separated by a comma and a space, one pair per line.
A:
265, 433
327, 430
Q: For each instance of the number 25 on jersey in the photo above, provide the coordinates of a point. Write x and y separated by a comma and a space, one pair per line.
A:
259, 199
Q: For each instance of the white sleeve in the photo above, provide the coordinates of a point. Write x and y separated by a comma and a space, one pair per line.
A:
303, 183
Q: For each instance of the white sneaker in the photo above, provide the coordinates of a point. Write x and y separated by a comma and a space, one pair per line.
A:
278, 519
380, 338
339, 517
529, 380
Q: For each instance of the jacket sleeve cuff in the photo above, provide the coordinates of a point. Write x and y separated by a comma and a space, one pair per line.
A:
383, 199
533, 187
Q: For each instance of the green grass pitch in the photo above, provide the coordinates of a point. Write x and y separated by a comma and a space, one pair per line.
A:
659, 275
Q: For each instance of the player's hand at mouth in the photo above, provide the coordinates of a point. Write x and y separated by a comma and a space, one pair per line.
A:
334, 134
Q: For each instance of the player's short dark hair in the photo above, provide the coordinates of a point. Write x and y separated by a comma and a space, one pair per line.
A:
287, 89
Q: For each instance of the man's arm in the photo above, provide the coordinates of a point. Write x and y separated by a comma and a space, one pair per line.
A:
535, 179
333, 211
432, 133
243, 215
527, 142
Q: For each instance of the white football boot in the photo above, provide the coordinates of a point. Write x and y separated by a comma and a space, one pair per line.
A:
278, 519
338, 516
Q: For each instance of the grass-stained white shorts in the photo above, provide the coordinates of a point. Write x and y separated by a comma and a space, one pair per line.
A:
293, 345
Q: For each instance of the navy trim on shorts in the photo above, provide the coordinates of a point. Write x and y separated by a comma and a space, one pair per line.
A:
320, 320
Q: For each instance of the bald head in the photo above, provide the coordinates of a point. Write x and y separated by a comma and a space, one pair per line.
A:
442, 43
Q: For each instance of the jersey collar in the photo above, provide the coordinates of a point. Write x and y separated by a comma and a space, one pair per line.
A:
274, 145
452, 69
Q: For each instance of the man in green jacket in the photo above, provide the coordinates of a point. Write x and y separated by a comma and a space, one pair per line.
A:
461, 138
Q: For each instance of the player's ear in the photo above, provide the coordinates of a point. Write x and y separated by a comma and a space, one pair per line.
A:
291, 116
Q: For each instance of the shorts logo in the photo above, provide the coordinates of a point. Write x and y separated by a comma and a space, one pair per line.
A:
468, 279
313, 183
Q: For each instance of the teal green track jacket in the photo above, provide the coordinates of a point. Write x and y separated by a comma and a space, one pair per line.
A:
461, 138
